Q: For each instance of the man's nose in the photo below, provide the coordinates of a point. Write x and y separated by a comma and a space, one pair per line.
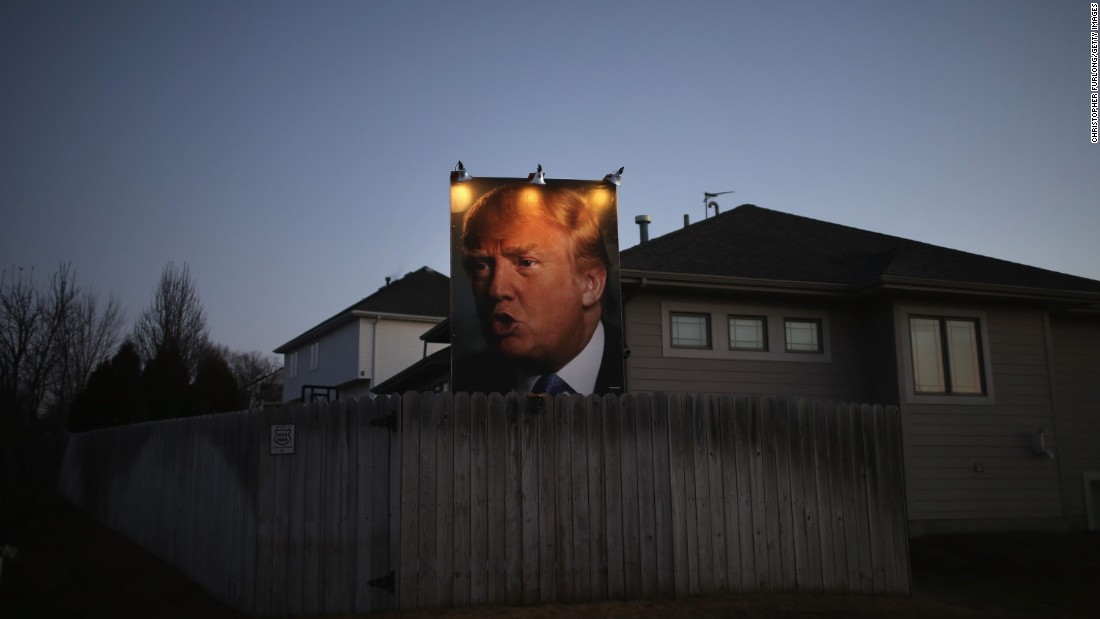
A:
503, 283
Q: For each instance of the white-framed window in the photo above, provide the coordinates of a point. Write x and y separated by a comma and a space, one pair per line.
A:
314, 355
710, 330
945, 358
689, 330
292, 364
946, 355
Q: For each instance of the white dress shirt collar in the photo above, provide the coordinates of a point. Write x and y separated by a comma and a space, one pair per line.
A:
580, 372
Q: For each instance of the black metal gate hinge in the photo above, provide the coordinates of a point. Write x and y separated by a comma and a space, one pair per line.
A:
389, 421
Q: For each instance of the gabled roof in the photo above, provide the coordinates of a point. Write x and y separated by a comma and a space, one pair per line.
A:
752, 244
433, 368
423, 294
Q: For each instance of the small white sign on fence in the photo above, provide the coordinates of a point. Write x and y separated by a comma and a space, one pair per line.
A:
282, 439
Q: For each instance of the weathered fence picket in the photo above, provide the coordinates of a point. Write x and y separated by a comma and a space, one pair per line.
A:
428, 499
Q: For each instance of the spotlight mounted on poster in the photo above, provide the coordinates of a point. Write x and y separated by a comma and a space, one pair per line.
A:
459, 174
615, 178
537, 177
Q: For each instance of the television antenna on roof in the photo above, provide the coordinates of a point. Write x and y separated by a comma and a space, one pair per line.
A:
708, 202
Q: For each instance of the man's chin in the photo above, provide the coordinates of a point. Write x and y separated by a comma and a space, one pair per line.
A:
512, 352
516, 353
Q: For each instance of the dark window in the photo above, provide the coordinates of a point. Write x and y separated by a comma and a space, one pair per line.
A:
803, 335
690, 330
748, 333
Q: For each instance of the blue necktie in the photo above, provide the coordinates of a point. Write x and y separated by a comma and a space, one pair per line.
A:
551, 384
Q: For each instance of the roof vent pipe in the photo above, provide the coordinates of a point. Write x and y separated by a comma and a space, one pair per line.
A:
687, 220
643, 226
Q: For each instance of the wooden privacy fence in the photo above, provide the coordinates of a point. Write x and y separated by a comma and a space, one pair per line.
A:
184, 489
438, 500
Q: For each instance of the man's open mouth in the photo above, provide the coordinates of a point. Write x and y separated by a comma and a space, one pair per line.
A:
503, 324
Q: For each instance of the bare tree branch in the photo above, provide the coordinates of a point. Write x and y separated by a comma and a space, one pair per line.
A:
50, 341
175, 319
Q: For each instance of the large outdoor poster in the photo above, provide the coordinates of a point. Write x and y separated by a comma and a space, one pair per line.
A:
535, 299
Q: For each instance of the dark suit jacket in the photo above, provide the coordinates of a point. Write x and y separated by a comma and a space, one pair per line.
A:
487, 372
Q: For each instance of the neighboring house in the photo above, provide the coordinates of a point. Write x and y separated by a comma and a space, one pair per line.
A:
432, 372
994, 365
990, 362
368, 342
266, 391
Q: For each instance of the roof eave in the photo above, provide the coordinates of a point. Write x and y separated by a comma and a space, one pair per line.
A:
427, 365
392, 316
439, 334
896, 283
885, 283
723, 282
343, 319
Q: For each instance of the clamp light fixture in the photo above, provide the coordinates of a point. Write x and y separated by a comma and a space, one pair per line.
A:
615, 178
459, 174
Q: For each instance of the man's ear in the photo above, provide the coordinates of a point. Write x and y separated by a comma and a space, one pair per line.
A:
593, 281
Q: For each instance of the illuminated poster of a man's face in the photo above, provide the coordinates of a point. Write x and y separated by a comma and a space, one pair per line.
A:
535, 302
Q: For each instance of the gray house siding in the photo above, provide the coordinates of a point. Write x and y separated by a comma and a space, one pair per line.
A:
971, 436
971, 461
842, 377
337, 361
1076, 363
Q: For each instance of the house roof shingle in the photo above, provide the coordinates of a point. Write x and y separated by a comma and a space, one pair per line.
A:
423, 292
751, 242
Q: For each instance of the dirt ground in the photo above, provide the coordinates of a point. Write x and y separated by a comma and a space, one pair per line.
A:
70, 566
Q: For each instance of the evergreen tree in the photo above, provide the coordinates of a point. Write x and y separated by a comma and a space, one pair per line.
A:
90, 408
215, 389
111, 396
164, 385
126, 385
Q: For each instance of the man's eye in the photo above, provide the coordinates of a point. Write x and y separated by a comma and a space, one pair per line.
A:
526, 262
478, 269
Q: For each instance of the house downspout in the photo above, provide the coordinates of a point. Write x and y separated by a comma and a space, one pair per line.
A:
1048, 336
626, 349
374, 353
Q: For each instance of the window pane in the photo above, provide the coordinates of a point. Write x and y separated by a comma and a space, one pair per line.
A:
803, 335
927, 355
690, 330
748, 333
962, 346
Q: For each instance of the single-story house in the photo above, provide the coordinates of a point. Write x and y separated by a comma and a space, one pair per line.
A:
995, 366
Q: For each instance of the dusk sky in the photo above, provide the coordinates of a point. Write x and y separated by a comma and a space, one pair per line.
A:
294, 154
